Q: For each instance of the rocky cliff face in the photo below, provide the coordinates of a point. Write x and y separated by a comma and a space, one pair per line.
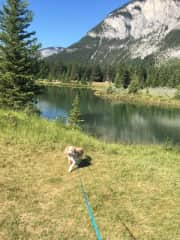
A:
138, 29
147, 22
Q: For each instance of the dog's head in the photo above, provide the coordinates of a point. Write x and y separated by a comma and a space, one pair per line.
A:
69, 150
76, 151
80, 151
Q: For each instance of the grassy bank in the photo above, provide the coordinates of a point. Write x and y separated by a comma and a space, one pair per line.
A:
64, 84
140, 99
132, 186
161, 97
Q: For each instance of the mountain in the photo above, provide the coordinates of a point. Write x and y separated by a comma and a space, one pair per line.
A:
138, 29
46, 52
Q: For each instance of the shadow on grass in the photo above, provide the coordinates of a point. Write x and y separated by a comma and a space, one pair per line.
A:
85, 162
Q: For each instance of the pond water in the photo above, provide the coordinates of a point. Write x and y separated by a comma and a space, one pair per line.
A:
113, 122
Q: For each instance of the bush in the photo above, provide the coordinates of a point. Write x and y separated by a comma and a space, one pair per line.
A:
133, 87
109, 90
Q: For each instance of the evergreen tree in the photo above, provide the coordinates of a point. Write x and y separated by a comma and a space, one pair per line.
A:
84, 78
134, 85
150, 76
97, 74
18, 56
155, 81
68, 73
43, 70
117, 81
126, 79
109, 73
74, 72
163, 76
74, 116
142, 77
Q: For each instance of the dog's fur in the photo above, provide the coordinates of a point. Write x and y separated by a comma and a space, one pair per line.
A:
73, 154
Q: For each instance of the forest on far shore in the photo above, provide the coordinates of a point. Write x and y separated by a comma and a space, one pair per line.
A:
144, 73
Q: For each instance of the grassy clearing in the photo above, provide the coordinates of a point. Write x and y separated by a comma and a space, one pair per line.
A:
63, 84
134, 185
96, 86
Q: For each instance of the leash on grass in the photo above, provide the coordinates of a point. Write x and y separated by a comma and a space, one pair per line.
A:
88, 206
123, 224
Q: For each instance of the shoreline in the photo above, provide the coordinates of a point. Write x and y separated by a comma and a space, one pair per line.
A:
100, 90
136, 99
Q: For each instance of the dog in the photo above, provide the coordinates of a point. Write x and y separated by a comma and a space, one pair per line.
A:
74, 154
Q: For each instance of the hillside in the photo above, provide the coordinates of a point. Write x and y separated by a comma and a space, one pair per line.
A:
138, 29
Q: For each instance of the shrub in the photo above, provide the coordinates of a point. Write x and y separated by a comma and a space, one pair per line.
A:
109, 90
134, 86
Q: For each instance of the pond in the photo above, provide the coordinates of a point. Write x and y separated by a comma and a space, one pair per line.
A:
113, 122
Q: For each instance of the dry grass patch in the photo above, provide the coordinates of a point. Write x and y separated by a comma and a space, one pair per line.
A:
131, 187
41, 200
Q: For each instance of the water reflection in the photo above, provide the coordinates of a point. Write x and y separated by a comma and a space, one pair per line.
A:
113, 122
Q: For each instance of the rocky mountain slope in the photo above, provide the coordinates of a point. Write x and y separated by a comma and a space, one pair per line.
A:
136, 30
46, 52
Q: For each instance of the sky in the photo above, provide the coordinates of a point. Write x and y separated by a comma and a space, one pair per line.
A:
60, 23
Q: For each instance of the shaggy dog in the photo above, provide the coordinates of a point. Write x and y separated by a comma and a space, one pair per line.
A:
74, 154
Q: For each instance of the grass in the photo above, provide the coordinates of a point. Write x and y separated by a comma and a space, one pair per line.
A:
133, 186
92, 85
162, 97
150, 97
63, 84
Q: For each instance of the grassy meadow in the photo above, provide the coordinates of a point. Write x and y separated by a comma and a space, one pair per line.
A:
133, 189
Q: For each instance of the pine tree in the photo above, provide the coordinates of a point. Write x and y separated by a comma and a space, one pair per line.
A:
117, 81
74, 116
96, 74
134, 85
43, 70
74, 72
109, 73
126, 79
18, 56
142, 76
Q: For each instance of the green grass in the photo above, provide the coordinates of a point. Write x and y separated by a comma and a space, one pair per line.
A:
139, 98
135, 185
161, 97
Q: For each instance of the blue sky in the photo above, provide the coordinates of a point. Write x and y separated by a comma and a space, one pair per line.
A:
63, 22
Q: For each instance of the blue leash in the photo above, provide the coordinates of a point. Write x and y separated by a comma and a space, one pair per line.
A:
92, 218
90, 212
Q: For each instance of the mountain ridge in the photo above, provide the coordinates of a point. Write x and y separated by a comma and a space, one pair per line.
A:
137, 29
48, 51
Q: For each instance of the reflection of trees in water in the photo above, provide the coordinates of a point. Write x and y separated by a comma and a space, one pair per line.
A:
63, 97
135, 124
154, 127
116, 122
